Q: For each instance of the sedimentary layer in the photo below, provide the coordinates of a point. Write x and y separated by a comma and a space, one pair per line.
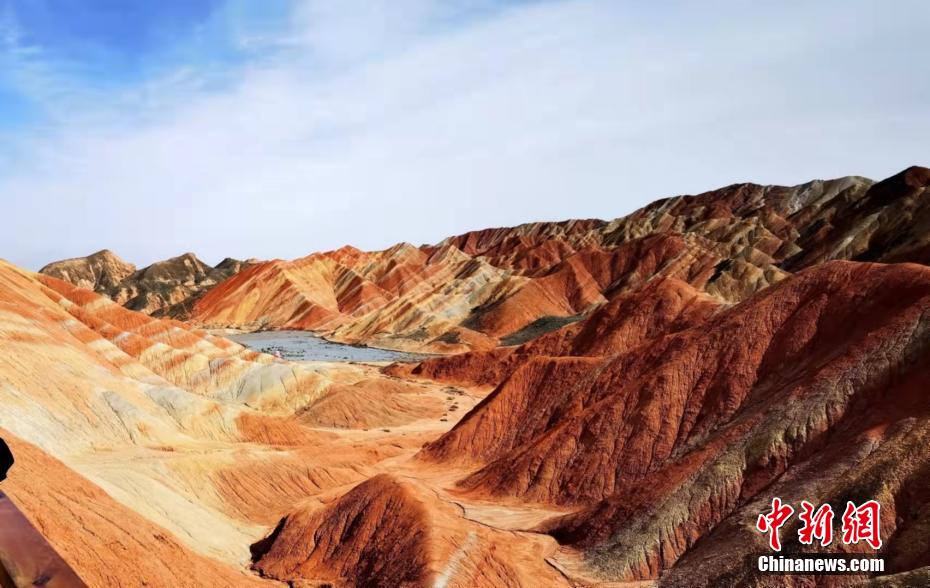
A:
510, 285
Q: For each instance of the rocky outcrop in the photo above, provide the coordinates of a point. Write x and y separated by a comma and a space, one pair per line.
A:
102, 271
376, 535
166, 288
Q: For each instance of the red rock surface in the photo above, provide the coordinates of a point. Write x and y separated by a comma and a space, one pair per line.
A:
390, 531
26, 557
674, 442
663, 305
376, 535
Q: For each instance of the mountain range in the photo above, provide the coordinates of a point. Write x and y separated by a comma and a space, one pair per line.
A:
612, 403
503, 286
166, 288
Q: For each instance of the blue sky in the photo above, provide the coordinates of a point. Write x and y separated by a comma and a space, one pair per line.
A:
113, 38
256, 128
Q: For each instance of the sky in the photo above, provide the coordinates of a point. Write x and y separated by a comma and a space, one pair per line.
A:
272, 129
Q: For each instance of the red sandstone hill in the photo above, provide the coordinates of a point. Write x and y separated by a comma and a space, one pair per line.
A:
376, 535
674, 437
390, 532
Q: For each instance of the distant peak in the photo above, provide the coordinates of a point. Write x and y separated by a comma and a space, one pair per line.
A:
187, 256
900, 185
348, 249
106, 255
103, 253
916, 176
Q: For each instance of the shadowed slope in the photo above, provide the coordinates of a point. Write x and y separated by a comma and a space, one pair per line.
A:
390, 532
376, 535
542, 388
639, 409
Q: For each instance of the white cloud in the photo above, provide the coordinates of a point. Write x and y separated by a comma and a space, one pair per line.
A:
412, 121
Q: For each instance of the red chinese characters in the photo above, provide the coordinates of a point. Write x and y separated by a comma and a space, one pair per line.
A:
817, 525
860, 523
772, 522
863, 523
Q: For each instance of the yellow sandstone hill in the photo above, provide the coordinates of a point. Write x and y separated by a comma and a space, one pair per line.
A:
150, 452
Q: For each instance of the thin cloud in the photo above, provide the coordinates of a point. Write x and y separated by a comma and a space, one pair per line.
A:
417, 121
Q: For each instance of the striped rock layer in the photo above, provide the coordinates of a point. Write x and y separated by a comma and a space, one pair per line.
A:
509, 285
152, 453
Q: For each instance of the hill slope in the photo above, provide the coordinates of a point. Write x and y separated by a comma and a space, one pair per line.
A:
673, 437
151, 452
